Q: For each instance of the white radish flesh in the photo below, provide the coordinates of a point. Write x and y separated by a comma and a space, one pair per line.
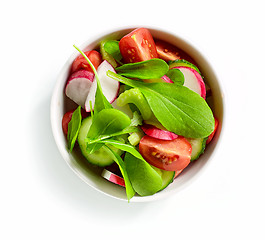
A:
78, 86
110, 87
193, 80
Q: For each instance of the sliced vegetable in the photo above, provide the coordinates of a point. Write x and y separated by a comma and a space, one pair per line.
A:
135, 96
193, 80
112, 48
112, 177
182, 63
81, 63
176, 76
167, 177
78, 86
155, 132
167, 51
110, 88
198, 146
138, 46
170, 155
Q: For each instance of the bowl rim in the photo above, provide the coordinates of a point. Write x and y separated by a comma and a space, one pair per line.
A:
61, 146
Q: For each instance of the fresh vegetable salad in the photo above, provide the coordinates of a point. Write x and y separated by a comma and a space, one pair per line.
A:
141, 111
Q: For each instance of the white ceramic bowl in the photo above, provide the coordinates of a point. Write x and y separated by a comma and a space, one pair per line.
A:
91, 174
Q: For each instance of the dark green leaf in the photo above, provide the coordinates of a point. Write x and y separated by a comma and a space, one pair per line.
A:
153, 68
73, 128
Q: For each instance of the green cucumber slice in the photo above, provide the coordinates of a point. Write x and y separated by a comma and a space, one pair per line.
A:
198, 146
100, 157
167, 177
182, 63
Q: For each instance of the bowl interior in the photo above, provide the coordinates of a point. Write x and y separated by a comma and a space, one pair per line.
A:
91, 174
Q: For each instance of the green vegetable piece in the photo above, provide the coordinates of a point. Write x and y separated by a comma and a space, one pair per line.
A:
130, 192
153, 68
182, 63
135, 137
145, 180
176, 107
106, 56
113, 49
198, 147
73, 128
176, 76
135, 96
167, 177
106, 122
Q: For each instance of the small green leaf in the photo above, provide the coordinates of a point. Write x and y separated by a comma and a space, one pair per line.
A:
153, 68
73, 128
112, 48
176, 76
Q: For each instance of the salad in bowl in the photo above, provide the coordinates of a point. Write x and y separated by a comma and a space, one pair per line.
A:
136, 113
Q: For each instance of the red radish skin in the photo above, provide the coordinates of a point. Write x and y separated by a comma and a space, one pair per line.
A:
113, 177
110, 87
167, 79
78, 86
193, 80
155, 132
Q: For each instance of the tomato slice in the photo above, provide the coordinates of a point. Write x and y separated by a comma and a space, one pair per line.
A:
81, 63
167, 52
138, 46
170, 155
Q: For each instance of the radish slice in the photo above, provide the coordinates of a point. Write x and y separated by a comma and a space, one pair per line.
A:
113, 177
193, 80
155, 132
167, 79
110, 87
78, 86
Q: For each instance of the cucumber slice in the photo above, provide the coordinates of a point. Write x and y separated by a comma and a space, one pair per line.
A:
100, 157
167, 177
107, 56
198, 146
182, 63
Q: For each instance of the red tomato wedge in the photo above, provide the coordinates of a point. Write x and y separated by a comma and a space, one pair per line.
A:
216, 123
81, 63
167, 52
170, 155
138, 46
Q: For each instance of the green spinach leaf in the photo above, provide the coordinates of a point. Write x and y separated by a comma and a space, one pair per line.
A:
145, 180
128, 186
73, 128
176, 107
176, 76
112, 48
153, 68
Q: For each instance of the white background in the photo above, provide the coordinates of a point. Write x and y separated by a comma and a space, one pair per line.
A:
41, 198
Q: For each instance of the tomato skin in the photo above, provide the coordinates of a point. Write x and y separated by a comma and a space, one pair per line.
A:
170, 155
169, 52
138, 46
81, 63
67, 118
216, 123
